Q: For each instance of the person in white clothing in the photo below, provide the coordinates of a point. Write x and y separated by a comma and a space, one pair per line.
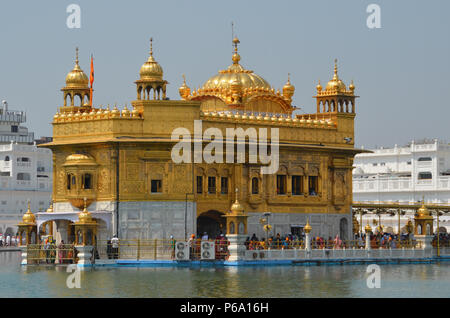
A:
115, 247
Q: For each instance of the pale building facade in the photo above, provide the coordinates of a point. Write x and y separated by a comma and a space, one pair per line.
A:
420, 170
25, 171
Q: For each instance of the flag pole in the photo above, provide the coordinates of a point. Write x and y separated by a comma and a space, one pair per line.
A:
91, 79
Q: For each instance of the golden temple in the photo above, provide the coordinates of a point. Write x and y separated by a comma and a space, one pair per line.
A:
120, 160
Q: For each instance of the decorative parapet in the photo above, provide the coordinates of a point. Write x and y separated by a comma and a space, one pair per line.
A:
322, 121
97, 114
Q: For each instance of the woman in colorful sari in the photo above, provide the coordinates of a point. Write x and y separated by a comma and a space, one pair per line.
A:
62, 252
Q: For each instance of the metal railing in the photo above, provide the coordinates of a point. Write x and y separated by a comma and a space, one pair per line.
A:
155, 249
51, 254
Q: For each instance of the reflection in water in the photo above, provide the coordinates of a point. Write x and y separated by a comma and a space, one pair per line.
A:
415, 280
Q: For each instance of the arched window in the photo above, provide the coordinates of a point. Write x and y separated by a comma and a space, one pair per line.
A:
87, 181
428, 229
71, 181
255, 185
281, 184
241, 228
232, 228
7, 158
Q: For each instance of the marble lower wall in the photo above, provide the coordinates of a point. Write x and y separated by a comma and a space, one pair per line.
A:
161, 219
153, 219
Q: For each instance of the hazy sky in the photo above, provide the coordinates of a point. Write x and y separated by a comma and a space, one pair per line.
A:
401, 71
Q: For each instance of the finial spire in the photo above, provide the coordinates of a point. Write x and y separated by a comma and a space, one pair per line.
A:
235, 43
85, 201
184, 79
76, 55
29, 209
335, 68
151, 47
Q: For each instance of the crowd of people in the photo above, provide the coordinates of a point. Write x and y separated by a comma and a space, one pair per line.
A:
289, 241
444, 240
274, 242
8, 240
220, 245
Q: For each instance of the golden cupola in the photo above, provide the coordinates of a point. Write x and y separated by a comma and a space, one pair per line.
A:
288, 89
76, 78
28, 217
184, 90
336, 84
241, 89
336, 98
151, 79
77, 85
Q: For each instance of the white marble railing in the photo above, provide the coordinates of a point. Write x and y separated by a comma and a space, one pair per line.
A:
389, 184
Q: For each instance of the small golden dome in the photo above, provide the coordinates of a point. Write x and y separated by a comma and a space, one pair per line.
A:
336, 84
184, 90
79, 159
307, 227
135, 113
115, 112
125, 112
29, 217
423, 212
151, 69
85, 216
351, 86
368, 228
237, 207
288, 88
319, 87
50, 208
76, 78
106, 112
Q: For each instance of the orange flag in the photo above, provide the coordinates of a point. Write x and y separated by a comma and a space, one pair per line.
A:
91, 79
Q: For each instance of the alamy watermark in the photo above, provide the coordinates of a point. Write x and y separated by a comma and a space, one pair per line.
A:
73, 20
74, 279
374, 278
374, 19
213, 152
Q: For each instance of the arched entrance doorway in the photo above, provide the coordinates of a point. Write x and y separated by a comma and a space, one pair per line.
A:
212, 223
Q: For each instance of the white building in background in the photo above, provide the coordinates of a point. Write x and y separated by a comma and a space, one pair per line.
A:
25, 171
420, 170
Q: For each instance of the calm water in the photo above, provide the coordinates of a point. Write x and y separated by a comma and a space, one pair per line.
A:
415, 280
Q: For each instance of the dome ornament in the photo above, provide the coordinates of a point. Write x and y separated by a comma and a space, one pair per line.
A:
236, 57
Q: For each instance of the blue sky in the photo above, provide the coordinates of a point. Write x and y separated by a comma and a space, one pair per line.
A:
401, 71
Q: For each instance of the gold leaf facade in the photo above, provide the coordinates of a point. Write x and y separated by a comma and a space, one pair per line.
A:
108, 155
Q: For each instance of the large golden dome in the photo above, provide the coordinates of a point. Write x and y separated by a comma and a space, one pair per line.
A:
236, 74
76, 78
238, 88
151, 69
